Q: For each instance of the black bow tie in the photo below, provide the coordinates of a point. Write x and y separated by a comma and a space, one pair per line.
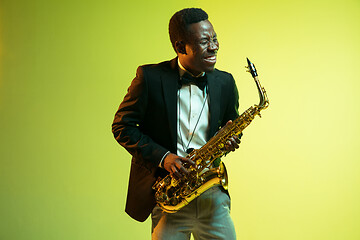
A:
187, 79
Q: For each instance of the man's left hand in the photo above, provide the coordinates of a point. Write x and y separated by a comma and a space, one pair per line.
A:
232, 142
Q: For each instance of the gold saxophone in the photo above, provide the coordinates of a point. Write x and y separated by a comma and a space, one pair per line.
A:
172, 194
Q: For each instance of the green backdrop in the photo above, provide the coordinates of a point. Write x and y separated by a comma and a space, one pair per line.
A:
65, 66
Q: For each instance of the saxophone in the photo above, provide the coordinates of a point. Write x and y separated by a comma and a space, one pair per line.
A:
172, 194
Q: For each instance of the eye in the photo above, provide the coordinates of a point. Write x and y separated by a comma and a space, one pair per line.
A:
204, 42
214, 39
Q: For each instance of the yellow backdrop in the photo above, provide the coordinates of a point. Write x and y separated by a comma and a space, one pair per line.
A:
65, 66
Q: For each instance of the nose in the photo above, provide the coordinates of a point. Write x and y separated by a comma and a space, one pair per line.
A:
214, 45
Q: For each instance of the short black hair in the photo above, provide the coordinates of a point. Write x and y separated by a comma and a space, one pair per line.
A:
179, 22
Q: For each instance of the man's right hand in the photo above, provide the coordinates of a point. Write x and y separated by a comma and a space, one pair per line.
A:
174, 165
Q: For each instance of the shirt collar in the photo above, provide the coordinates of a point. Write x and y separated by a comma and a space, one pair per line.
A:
182, 70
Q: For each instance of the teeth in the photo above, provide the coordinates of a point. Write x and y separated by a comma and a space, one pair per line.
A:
211, 58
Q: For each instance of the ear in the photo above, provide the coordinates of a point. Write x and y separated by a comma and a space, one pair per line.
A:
180, 47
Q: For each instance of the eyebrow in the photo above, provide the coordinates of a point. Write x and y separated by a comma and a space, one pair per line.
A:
206, 38
203, 37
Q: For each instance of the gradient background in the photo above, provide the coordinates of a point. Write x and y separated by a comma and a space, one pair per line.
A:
65, 66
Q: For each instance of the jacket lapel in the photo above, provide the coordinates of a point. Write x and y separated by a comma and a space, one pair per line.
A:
214, 108
169, 80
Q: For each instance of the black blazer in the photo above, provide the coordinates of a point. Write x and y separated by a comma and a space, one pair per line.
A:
145, 125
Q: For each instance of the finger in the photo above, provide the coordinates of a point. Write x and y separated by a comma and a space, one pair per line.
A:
237, 139
174, 169
181, 168
183, 171
176, 175
232, 144
229, 146
222, 129
187, 160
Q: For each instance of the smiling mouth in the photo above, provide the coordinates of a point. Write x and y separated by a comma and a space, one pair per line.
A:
211, 59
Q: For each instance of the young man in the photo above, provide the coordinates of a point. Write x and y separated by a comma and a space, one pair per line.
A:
164, 114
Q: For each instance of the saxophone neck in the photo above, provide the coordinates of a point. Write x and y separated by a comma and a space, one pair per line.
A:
264, 101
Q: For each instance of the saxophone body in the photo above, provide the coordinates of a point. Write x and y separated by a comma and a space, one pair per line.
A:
172, 194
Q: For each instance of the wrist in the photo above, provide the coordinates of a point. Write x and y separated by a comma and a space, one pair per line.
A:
162, 162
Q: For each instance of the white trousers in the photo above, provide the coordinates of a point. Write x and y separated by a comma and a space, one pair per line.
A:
206, 217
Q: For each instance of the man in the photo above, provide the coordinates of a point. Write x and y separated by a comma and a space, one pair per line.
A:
162, 116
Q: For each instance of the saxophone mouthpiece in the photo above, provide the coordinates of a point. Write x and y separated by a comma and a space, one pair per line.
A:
252, 68
249, 63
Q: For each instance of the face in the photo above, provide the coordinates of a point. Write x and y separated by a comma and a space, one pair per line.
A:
198, 53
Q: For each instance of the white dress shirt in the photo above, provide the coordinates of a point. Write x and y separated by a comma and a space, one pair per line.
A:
193, 116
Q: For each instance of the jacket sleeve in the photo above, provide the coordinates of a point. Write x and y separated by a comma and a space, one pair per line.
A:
128, 122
